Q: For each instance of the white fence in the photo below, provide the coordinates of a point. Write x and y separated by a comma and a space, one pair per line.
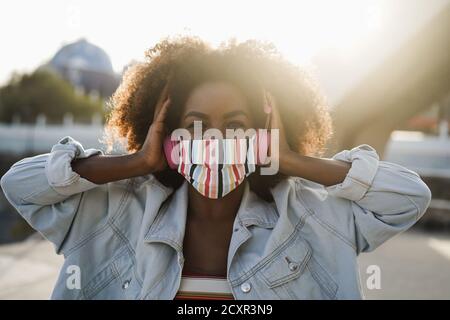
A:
22, 138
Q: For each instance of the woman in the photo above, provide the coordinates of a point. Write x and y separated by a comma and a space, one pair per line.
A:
132, 227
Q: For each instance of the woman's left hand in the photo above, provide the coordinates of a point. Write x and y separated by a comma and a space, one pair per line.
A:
324, 171
270, 106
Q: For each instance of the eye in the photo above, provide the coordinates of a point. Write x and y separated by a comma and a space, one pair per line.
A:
191, 127
235, 124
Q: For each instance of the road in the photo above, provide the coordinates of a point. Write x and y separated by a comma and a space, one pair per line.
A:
413, 265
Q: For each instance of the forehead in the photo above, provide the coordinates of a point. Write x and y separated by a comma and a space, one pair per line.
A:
215, 98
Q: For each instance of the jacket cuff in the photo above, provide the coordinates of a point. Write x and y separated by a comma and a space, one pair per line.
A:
58, 169
364, 165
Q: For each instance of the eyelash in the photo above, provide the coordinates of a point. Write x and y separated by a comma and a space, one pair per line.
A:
235, 124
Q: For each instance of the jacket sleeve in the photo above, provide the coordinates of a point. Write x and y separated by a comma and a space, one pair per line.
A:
386, 198
46, 191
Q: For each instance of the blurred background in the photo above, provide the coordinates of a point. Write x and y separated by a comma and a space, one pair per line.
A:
384, 65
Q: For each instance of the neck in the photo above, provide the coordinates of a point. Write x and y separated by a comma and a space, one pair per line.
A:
215, 210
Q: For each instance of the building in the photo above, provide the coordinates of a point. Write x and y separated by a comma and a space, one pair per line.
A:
87, 67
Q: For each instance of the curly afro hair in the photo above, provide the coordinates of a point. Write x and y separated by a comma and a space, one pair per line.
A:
250, 66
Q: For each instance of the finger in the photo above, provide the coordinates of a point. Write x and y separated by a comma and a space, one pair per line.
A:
276, 123
266, 102
165, 92
270, 100
161, 100
162, 114
270, 104
275, 114
267, 109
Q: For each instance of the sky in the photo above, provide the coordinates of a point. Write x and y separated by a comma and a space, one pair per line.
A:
32, 31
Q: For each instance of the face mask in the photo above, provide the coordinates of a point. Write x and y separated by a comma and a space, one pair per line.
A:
213, 167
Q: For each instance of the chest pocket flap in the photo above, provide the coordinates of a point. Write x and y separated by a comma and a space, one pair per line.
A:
288, 264
116, 281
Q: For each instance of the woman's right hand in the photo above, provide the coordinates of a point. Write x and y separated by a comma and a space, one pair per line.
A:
152, 152
149, 159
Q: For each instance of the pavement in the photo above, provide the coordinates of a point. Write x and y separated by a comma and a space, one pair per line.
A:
413, 265
28, 269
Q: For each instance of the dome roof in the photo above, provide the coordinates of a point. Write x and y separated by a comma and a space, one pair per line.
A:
82, 55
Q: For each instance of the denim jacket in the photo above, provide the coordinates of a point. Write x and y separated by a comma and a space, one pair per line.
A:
126, 237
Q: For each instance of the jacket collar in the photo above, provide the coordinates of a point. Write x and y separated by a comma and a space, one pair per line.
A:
169, 224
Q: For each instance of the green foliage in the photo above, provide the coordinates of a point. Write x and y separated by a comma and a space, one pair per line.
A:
44, 92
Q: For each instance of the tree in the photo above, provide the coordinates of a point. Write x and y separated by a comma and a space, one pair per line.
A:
44, 92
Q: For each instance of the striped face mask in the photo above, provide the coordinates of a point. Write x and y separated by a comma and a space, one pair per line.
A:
216, 167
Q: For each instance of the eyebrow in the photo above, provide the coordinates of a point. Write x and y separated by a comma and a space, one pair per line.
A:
196, 114
235, 113
205, 116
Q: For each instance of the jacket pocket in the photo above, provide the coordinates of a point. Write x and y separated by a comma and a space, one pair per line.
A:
116, 281
294, 273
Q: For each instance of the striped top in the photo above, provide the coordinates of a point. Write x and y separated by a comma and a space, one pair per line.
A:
195, 286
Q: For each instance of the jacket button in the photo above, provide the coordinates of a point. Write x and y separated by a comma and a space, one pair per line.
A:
126, 284
246, 287
293, 266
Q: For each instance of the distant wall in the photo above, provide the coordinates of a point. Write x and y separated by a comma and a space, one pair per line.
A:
33, 139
